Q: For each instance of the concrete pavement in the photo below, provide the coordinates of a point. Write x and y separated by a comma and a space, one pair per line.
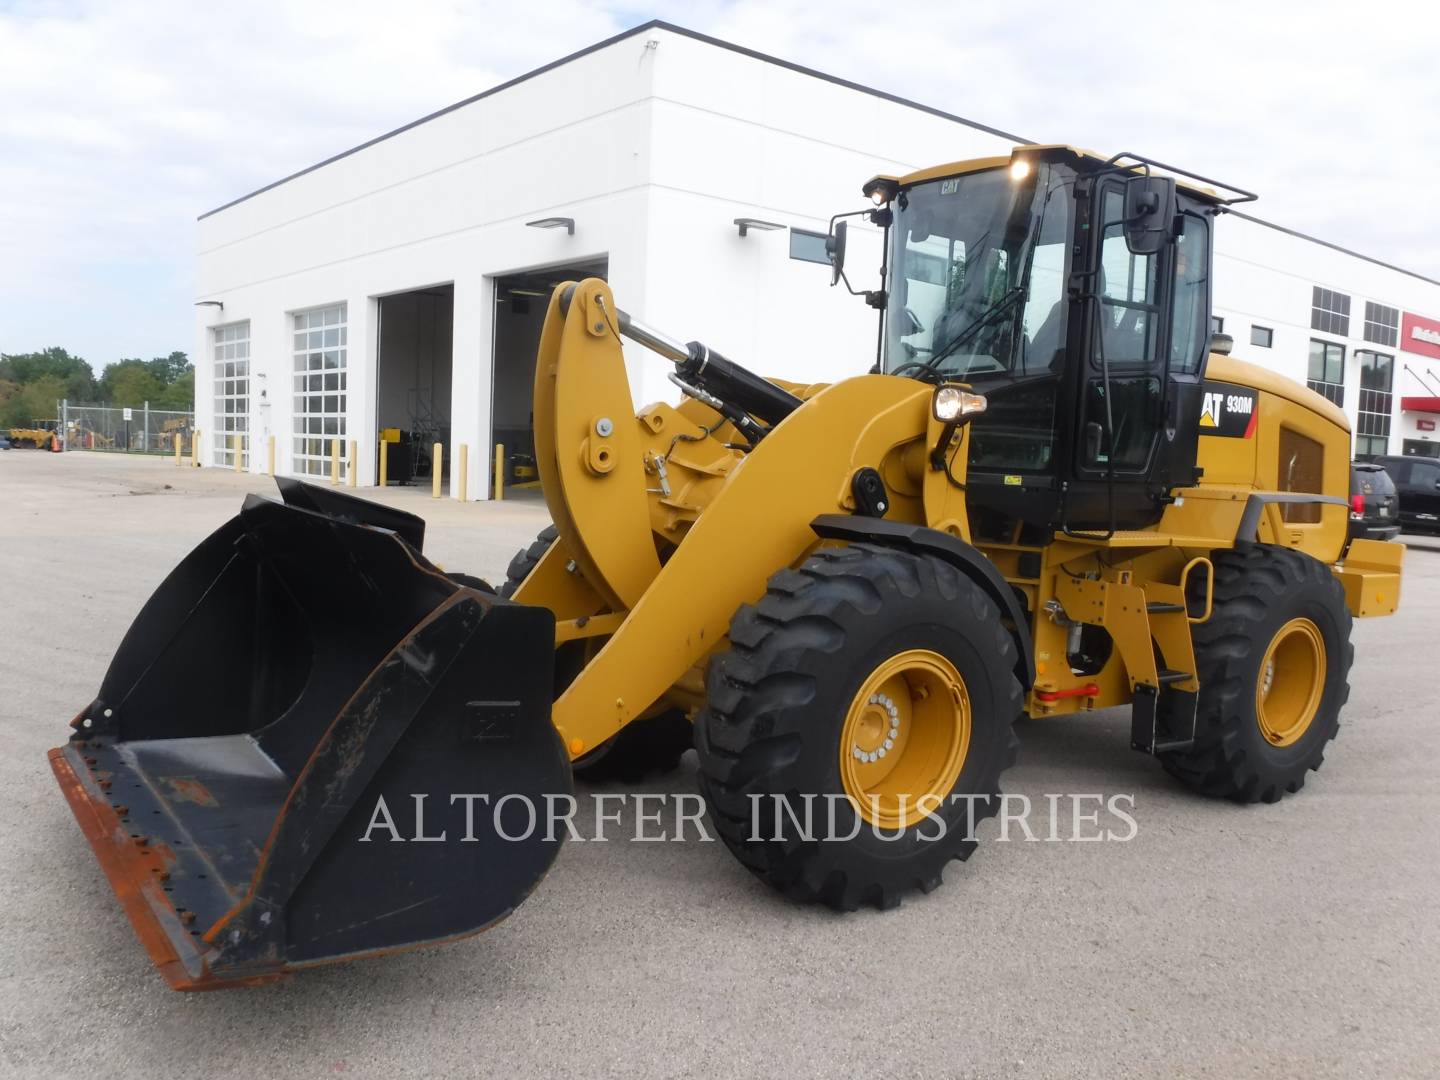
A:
1301, 939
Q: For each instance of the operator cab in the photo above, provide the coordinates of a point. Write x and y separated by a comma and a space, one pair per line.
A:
1073, 292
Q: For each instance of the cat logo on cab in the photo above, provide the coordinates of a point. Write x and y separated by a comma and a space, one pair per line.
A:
1228, 410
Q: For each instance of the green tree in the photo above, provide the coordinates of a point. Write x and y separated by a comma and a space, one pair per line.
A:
164, 382
30, 401
170, 369
129, 382
54, 362
9, 402
180, 394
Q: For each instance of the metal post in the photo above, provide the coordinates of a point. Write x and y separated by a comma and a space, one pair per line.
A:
145, 438
462, 464
499, 471
437, 460
334, 462
65, 424
176, 437
350, 469
384, 463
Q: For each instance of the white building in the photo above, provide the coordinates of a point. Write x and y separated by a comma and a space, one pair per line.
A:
401, 284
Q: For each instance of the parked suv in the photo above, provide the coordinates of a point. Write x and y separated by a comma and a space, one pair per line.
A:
1374, 505
1417, 479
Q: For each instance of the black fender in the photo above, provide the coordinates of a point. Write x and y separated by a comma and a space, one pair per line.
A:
919, 540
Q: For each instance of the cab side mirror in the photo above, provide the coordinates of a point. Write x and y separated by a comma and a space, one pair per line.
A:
835, 249
1150, 213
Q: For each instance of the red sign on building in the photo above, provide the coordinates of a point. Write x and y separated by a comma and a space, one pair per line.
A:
1420, 335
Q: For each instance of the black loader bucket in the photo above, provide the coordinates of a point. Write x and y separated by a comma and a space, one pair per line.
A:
300, 712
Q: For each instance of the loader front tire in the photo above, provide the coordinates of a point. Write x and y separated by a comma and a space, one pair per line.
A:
1273, 659
644, 748
526, 560
860, 684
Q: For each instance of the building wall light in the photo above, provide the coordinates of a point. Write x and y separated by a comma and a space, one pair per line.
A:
566, 223
748, 223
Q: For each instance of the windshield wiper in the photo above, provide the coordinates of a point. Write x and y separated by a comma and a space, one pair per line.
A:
993, 312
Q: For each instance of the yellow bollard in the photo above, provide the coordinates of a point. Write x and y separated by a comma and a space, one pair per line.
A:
350, 469
334, 462
462, 463
176, 437
270, 455
499, 471
235, 448
437, 461
195, 449
384, 462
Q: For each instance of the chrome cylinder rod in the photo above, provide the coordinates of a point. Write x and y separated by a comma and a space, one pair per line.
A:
651, 338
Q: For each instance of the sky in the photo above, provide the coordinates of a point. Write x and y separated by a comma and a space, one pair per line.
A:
121, 122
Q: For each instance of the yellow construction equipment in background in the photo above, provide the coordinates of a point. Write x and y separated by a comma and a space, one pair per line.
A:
1053, 493
31, 438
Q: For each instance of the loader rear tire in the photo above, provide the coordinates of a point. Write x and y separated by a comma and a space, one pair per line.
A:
805, 673
1274, 659
645, 748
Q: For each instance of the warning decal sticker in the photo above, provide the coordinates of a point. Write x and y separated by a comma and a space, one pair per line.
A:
1228, 410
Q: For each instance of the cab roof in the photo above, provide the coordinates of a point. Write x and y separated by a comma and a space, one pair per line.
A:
1196, 186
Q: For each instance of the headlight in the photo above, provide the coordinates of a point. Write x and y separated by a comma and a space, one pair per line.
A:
952, 404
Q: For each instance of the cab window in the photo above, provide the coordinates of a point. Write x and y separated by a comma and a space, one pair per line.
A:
1189, 334
1129, 287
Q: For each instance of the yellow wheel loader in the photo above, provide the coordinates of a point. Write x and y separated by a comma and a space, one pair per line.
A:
36, 438
1052, 494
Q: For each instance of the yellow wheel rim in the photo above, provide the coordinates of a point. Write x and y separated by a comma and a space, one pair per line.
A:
1291, 682
905, 738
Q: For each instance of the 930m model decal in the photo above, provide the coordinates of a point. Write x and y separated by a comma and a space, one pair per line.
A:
1229, 410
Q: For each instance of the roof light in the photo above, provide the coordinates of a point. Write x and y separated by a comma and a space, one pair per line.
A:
1019, 169
880, 190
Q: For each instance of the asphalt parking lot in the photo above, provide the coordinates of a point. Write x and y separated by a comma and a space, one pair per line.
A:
1301, 939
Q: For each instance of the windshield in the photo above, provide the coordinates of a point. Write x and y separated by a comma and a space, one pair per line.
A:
977, 275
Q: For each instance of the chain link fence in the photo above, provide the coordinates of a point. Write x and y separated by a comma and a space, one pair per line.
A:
138, 430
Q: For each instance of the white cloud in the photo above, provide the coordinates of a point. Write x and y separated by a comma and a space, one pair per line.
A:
122, 121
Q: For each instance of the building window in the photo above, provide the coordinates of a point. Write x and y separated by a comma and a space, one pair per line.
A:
1217, 324
1262, 336
1330, 312
808, 246
1418, 448
1327, 370
1382, 324
319, 390
232, 395
1372, 429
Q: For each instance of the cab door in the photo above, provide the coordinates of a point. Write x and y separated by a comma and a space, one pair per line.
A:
1149, 323
1126, 335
